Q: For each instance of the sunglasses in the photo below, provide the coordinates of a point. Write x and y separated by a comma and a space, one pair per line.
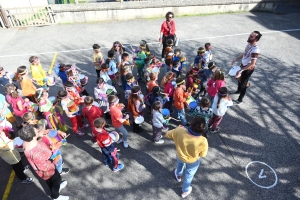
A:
116, 45
170, 17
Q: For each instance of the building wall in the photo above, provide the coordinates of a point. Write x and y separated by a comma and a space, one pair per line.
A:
22, 3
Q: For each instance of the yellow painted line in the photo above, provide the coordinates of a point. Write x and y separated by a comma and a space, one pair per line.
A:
52, 64
9, 184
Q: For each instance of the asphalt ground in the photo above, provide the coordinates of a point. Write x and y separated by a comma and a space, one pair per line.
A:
264, 128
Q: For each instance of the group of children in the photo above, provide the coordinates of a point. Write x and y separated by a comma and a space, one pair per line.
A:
203, 86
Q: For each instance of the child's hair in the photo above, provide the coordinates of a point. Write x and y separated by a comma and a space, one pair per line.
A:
129, 76
62, 94
147, 61
200, 50
1, 68
177, 51
207, 45
156, 106
124, 55
205, 102
152, 76
110, 54
134, 94
88, 100
117, 43
96, 46
28, 116
212, 65
105, 65
70, 73
39, 127
20, 72
111, 99
175, 63
156, 90
222, 93
144, 44
198, 125
167, 77
9, 89
100, 80
99, 122
219, 75
38, 94
32, 58
180, 81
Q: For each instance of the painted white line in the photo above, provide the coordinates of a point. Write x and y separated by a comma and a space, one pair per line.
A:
261, 186
203, 38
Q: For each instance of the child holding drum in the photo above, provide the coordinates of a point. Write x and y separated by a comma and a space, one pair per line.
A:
37, 72
158, 122
28, 89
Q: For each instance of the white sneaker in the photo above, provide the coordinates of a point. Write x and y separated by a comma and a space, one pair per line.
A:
120, 140
185, 194
26, 168
63, 184
159, 142
125, 144
61, 197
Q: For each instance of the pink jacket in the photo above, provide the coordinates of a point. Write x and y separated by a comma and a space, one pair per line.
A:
169, 89
214, 86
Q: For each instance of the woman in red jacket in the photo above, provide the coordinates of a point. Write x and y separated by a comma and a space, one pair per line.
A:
167, 31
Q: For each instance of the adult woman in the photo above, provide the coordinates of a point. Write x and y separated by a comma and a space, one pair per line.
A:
118, 50
167, 31
38, 155
191, 144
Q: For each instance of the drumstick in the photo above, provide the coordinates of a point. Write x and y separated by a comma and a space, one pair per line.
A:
67, 136
52, 64
175, 119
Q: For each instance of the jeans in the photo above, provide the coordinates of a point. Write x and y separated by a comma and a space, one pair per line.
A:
58, 165
242, 85
107, 156
190, 170
123, 131
181, 116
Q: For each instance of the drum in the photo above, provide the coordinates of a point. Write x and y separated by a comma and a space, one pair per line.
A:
50, 80
139, 119
234, 70
10, 75
96, 104
155, 70
83, 79
114, 136
52, 99
165, 112
193, 106
18, 142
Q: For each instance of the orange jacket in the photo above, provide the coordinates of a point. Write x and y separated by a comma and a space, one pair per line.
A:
180, 98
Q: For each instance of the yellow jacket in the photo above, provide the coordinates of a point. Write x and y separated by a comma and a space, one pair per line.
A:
38, 73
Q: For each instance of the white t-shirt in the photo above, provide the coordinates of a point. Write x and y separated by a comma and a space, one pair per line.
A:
251, 52
64, 105
222, 106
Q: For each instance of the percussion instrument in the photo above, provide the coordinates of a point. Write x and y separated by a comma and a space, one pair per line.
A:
139, 119
83, 79
114, 136
234, 70
50, 80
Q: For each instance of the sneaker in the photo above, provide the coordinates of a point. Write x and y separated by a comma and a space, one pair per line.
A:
64, 171
125, 144
61, 197
26, 168
185, 194
63, 184
161, 136
28, 180
234, 92
215, 131
159, 142
120, 166
80, 133
237, 102
84, 126
120, 140
176, 176
106, 126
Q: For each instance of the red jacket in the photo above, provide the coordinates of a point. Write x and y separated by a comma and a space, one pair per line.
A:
91, 114
165, 29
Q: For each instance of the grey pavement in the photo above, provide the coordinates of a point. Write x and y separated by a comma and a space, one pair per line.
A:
264, 128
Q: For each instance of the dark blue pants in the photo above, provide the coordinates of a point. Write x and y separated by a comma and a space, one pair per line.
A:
107, 157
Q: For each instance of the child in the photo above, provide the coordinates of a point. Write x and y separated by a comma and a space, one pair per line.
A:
73, 77
11, 156
101, 92
104, 73
47, 136
6, 113
97, 59
105, 142
136, 106
221, 102
203, 109
90, 111
17, 102
113, 71
60, 70
28, 89
158, 122
117, 118
73, 115
199, 59
126, 68
168, 57
144, 43
205, 75
208, 54
4, 77
156, 95
168, 84
118, 50
29, 119
130, 83
215, 83
37, 72
139, 61
178, 57
152, 82
180, 100
176, 68
192, 80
